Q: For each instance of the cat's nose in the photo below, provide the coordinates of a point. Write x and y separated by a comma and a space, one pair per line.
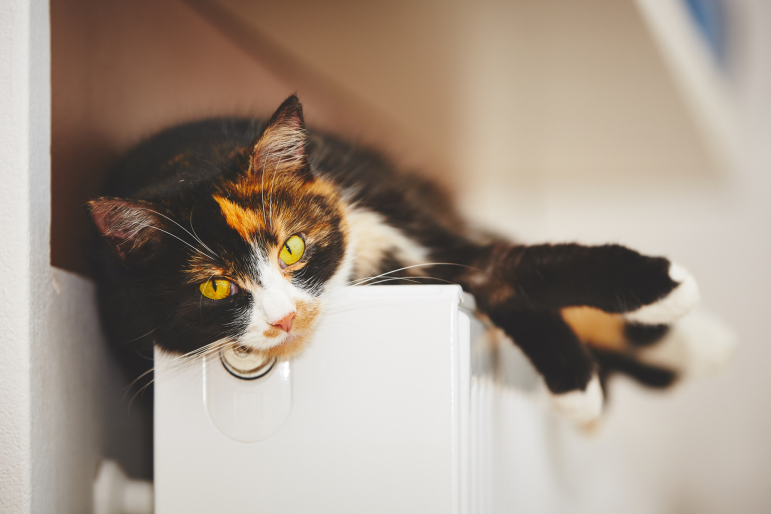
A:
286, 322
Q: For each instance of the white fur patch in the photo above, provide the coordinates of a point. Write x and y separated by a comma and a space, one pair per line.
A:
672, 307
372, 237
697, 345
273, 299
581, 407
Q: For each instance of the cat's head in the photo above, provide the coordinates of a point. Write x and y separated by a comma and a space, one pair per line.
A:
242, 259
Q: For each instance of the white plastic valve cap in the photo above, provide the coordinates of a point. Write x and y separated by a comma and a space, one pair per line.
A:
246, 364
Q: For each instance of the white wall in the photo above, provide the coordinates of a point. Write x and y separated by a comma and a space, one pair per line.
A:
15, 250
61, 396
705, 447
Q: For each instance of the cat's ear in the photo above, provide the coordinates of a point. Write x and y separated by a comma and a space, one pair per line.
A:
281, 147
132, 228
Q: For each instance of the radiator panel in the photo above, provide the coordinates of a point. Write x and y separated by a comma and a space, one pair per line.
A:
390, 412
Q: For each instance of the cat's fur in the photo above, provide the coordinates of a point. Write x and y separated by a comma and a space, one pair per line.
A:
219, 198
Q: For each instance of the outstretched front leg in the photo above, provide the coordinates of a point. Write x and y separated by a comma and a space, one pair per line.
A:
613, 278
523, 290
567, 366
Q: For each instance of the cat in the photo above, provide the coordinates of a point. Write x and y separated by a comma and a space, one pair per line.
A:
230, 232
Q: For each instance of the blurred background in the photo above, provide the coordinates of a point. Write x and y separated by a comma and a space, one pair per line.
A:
643, 122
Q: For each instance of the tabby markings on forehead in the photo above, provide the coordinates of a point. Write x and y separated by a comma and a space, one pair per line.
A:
244, 221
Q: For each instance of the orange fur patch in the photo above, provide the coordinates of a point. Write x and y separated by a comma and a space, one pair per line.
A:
245, 221
181, 159
307, 312
596, 327
288, 349
272, 332
201, 272
282, 223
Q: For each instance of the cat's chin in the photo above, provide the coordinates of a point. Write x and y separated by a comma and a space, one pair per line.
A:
292, 346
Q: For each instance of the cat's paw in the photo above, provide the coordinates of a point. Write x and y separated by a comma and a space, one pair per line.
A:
581, 407
699, 344
680, 300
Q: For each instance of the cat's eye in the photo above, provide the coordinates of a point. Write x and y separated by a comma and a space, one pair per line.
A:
218, 288
292, 251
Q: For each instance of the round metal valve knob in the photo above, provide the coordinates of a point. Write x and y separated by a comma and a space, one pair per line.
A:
246, 364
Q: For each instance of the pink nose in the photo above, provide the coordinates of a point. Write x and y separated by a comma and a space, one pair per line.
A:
285, 323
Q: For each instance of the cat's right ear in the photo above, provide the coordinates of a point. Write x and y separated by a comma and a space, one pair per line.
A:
132, 228
281, 147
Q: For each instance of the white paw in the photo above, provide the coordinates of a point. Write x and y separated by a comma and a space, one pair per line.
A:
697, 345
673, 306
582, 407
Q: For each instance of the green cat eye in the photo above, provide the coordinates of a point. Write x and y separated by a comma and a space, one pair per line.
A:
292, 251
218, 288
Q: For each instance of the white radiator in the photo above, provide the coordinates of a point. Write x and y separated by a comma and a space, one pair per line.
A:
401, 404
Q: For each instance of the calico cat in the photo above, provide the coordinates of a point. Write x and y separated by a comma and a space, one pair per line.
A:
230, 232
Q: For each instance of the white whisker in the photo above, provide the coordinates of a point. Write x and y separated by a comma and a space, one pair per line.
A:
415, 280
180, 226
140, 337
367, 279
172, 235
133, 382
262, 187
198, 238
272, 183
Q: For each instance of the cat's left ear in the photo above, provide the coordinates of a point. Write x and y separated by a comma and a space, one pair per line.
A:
281, 147
134, 229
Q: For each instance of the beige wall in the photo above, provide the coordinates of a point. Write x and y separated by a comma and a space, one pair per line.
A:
546, 91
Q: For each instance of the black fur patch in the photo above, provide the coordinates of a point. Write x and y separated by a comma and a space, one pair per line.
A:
552, 347
651, 376
639, 334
